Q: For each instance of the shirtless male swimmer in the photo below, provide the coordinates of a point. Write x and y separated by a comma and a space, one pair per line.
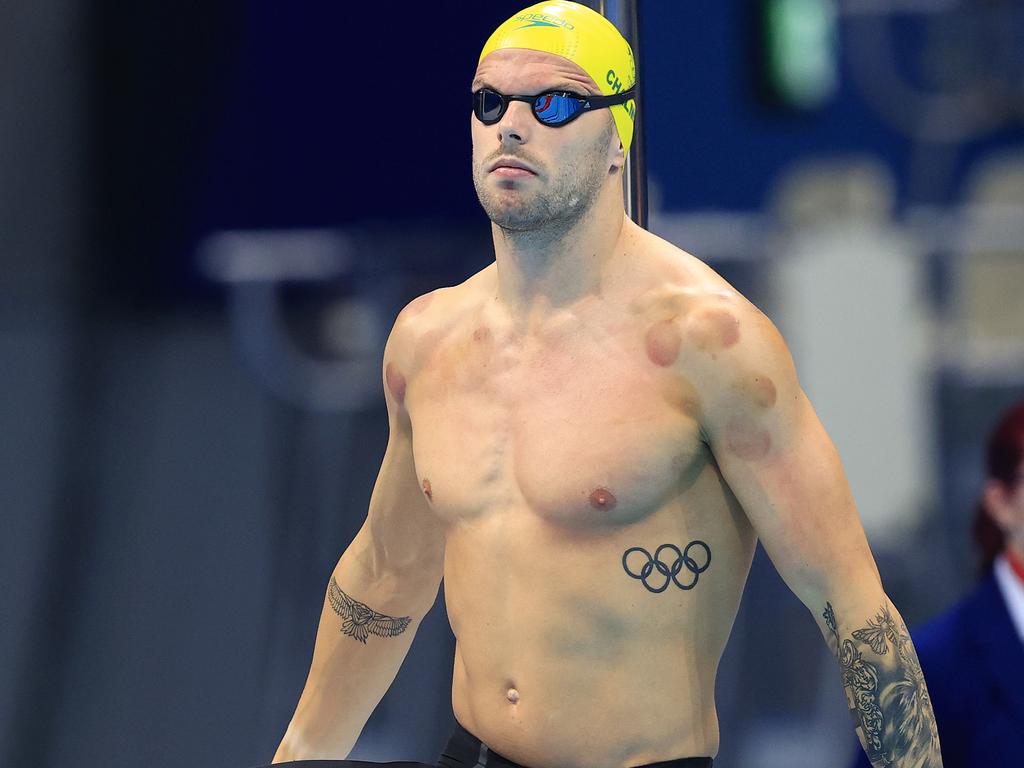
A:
587, 438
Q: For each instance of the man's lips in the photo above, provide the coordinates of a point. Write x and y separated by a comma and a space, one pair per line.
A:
504, 170
511, 167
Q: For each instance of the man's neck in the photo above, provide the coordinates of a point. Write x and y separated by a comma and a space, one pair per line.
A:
543, 272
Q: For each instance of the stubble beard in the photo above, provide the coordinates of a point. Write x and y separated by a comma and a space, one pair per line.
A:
563, 201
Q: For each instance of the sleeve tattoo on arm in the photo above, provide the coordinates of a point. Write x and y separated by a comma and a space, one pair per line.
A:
886, 694
360, 619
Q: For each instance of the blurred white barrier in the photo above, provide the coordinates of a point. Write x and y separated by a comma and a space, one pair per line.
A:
253, 264
849, 299
989, 297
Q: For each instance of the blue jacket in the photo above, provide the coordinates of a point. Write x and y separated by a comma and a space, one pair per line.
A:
973, 663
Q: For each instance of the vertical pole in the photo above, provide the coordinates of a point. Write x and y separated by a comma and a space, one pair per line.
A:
624, 14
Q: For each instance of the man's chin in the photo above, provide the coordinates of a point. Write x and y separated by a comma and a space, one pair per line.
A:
508, 216
513, 223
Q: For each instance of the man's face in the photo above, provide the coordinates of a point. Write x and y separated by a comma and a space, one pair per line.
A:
571, 163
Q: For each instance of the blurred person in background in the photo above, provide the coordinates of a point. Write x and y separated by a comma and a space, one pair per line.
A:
973, 654
587, 439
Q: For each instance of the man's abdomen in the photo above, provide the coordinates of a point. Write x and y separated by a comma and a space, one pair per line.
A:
577, 648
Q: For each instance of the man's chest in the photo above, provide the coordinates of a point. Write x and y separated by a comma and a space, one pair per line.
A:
581, 428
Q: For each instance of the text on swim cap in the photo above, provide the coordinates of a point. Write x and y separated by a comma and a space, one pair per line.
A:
613, 80
543, 20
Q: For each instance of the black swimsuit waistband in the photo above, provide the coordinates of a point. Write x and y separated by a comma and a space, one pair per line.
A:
464, 750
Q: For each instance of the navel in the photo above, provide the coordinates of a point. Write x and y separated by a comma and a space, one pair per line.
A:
512, 695
426, 489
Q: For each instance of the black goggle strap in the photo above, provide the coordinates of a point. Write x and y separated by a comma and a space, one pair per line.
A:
597, 102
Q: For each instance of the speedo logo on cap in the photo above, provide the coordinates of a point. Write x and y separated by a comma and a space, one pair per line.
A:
542, 20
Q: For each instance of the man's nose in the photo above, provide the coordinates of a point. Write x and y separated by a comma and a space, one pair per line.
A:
514, 125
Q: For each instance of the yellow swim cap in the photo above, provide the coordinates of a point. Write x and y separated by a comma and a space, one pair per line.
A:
583, 36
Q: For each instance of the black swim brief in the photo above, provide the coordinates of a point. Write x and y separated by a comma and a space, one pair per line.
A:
464, 750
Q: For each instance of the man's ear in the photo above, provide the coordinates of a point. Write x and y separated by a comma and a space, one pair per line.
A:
619, 153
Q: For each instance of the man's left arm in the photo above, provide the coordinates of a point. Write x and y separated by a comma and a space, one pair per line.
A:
776, 457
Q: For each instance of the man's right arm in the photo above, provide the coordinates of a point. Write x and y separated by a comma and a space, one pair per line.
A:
380, 590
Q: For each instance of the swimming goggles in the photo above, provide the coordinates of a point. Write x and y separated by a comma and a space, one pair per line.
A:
553, 108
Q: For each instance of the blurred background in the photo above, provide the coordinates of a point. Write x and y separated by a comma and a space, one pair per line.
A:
211, 213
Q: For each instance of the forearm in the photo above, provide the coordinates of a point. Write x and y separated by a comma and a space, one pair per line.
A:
882, 679
365, 631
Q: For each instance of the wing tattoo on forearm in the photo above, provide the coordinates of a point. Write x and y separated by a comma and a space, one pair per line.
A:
886, 692
360, 619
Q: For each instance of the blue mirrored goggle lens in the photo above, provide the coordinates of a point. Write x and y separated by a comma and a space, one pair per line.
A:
555, 109
550, 108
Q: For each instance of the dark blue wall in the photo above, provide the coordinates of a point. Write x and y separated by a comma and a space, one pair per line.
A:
264, 114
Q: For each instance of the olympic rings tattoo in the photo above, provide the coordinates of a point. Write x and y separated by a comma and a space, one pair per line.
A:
669, 571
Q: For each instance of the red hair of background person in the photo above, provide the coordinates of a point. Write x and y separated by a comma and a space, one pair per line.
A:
1003, 459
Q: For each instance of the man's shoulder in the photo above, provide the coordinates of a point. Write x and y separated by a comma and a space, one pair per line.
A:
721, 342
429, 315
714, 321
682, 285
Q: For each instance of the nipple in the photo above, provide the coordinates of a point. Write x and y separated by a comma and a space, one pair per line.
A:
602, 498
512, 695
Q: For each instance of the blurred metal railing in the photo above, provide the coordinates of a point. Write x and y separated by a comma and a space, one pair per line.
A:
625, 15
254, 266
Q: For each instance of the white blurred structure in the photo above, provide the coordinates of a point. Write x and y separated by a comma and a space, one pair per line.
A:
987, 323
849, 300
